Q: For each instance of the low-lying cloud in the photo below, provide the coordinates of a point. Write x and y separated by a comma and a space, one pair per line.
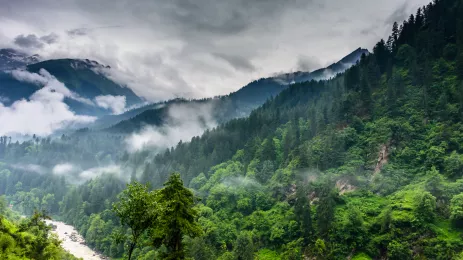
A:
34, 168
64, 169
306, 63
44, 78
98, 171
184, 122
76, 174
115, 103
45, 111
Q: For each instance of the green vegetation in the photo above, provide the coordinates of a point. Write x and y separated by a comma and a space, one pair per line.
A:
29, 239
366, 165
165, 216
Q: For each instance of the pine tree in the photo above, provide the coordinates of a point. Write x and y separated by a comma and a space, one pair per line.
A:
325, 209
418, 19
177, 218
303, 213
395, 37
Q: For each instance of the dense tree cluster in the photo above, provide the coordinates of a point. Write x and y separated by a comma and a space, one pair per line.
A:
366, 165
28, 238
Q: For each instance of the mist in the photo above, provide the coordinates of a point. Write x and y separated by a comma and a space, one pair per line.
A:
45, 111
115, 103
183, 122
76, 175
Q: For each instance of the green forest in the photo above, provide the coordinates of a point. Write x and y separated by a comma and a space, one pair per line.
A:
29, 238
366, 165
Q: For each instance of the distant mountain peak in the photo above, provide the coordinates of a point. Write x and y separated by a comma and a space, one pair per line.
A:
87, 64
323, 73
13, 59
354, 56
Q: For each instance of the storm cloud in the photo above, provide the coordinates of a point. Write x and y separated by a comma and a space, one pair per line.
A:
33, 42
28, 41
199, 48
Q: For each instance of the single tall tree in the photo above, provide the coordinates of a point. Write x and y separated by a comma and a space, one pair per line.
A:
325, 209
177, 219
303, 212
137, 209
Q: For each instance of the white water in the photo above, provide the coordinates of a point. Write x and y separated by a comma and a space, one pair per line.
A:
76, 248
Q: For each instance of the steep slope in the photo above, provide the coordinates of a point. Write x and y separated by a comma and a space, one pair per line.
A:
257, 92
323, 146
12, 59
12, 89
235, 105
82, 77
367, 165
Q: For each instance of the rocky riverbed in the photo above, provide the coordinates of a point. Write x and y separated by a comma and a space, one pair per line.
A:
73, 242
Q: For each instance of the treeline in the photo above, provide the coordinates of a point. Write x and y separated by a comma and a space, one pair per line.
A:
84, 147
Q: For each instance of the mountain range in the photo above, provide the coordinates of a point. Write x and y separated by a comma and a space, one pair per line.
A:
85, 78
13, 59
234, 105
88, 79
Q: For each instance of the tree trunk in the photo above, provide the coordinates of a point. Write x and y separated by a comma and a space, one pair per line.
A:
131, 248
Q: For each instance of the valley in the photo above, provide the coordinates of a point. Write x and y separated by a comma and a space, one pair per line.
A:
74, 246
362, 159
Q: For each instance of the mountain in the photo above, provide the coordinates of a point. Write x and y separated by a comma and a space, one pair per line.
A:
12, 59
257, 92
365, 165
235, 105
323, 73
83, 77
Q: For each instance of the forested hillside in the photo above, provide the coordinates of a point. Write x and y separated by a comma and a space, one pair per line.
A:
234, 105
28, 238
367, 165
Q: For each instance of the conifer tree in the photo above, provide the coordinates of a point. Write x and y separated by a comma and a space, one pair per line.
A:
177, 218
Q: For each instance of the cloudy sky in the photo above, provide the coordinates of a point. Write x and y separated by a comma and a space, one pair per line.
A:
198, 48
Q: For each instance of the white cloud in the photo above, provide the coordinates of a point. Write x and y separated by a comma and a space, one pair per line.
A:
64, 169
75, 174
44, 78
35, 168
184, 122
115, 103
44, 111
165, 49
26, 76
97, 171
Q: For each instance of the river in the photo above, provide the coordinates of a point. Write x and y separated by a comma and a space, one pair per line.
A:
73, 242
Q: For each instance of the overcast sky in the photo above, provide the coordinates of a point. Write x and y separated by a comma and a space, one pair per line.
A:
198, 48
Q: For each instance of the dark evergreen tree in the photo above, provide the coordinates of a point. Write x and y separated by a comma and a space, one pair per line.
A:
303, 213
177, 218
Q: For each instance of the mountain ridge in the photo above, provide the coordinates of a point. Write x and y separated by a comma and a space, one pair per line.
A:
236, 104
81, 76
11, 59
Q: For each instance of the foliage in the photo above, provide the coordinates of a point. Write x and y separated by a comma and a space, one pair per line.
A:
137, 209
366, 165
177, 218
31, 239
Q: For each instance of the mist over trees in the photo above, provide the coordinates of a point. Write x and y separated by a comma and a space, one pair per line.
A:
366, 165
